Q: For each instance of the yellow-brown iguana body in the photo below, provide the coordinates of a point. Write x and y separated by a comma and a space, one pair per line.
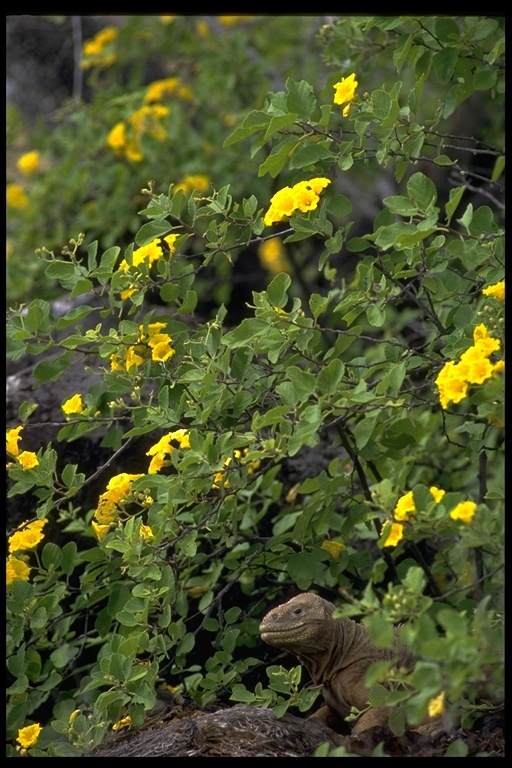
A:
336, 652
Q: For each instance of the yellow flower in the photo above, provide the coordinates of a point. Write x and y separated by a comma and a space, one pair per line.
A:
100, 530
451, 384
304, 196
437, 493
499, 367
146, 533
162, 352
12, 439
497, 290
404, 507
28, 736
125, 722
116, 362
272, 255
116, 138
29, 162
16, 197
345, 91
28, 460
133, 358
395, 535
93, 51
118, 488
164, 447
464, 511
334, 548
481, 336
167, 19
436, 705
158, 89
16, 570
73, 405
281, 204
29, 536
197, 181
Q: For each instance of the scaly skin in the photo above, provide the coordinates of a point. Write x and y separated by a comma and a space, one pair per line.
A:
336, 653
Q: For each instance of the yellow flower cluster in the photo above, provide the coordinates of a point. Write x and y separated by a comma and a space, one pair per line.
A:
164, 447
27, 537
16, 196
345, 92
272, 255
405, 508
29, 162
474, 367
73, 405
159, 89
145, 255
124, 138
220, 477
29, 735
197, 181
118, 491
98, 52
154, 345
149, 253
303, 196
497, 290
26, 459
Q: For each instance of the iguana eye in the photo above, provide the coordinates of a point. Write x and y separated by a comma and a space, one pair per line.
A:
298, 611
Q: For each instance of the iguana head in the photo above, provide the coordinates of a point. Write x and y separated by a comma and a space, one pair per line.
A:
300, 625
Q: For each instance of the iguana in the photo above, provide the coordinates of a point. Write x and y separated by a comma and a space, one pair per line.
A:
336, 652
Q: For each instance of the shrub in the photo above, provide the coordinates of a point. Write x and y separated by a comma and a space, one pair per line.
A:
377, 343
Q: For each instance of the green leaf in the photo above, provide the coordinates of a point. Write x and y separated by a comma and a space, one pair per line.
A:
304, 383
364, 429
309, 155
457, 749
26, 409
444, 160
151, 230
376, 315
453, 202
51, 555
277, 158
37, 315
51, 370
277, 290
444, 63
467, 216
255, 121
358, 244
446, 29
108, 259
63, 271
339, 205
303, 568
301, 98
73, 317
381, 104
278, 122
422, 191
400, 205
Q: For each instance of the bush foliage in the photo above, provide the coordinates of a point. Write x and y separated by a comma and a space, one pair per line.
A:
372, 226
